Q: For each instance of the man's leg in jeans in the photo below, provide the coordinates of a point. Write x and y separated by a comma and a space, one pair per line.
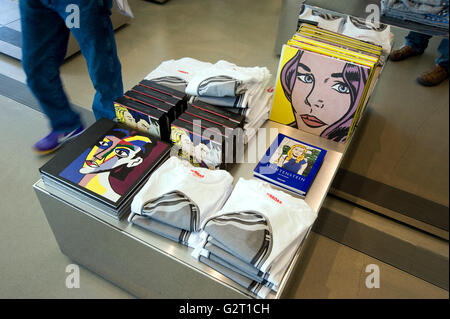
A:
417, 41
95, 36
44, 45
439, 73
443, 51
415, 44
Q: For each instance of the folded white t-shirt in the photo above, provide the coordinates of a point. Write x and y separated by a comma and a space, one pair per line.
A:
366, 31
181, 195
324, 21
258, 223
177, 73
273, 278
226, 79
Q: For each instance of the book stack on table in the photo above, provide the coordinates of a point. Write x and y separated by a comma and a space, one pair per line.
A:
150, 107
105, 166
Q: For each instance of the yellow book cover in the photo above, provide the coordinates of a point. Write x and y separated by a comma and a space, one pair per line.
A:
342, 44
317, 93
340, 41
335, 48
332, 53
338, 37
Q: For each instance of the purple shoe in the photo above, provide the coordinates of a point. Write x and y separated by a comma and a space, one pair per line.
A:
54, 140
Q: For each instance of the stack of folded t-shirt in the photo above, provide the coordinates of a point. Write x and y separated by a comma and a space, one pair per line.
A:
366, 31
178, 198
323, 20
253, 238
177, 73
243, 90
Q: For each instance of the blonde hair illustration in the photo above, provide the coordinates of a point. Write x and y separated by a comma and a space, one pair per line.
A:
185, 146
176, 134
119, 112
290, 153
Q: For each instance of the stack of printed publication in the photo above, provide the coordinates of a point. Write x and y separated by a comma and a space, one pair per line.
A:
323, 82
105, 166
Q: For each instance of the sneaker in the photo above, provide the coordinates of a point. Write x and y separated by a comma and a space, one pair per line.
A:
403, 53
435, 76
54, 140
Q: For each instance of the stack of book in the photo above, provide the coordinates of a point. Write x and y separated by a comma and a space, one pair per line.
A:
323, 82
105, 166
207, 135
150, 107
204, 134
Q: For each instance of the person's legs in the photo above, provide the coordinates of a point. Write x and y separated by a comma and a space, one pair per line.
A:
440, 72
415, 44
44, 45
443, 51
417, 41
95, 36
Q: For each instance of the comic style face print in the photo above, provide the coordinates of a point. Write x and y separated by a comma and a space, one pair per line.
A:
112, 152
317, 89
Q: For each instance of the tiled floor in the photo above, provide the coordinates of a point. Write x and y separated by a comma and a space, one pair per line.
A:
9, 11
243, 32
10, 40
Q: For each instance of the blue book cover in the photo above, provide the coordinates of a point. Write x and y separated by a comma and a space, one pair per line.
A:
290, 164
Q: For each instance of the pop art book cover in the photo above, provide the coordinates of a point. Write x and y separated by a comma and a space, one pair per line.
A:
198, 150
290, 164
137, 120
318, 94
107, 161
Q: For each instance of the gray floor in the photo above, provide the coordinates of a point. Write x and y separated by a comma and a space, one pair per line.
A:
239, 31
31, 264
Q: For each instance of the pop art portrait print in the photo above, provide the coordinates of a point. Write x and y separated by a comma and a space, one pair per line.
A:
112, 165
318, 94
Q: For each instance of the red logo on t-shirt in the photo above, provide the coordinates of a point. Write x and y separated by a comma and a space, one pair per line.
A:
195, 173
274, 198
183, 71
270, 90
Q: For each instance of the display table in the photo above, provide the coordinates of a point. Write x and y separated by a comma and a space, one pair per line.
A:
150, 266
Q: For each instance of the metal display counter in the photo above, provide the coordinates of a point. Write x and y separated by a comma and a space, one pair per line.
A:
150, 266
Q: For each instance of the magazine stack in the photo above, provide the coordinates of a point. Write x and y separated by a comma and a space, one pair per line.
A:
105, 166
323, 81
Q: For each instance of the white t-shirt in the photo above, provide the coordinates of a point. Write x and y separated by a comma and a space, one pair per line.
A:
177, 73
206, 189
227, 79
258, 223
366, 31
324, 21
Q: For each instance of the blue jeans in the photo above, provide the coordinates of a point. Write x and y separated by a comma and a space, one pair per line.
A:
44, 44
419, 43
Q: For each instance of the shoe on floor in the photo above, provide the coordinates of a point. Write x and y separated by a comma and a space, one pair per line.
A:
403, 53
435, 76
54, 140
